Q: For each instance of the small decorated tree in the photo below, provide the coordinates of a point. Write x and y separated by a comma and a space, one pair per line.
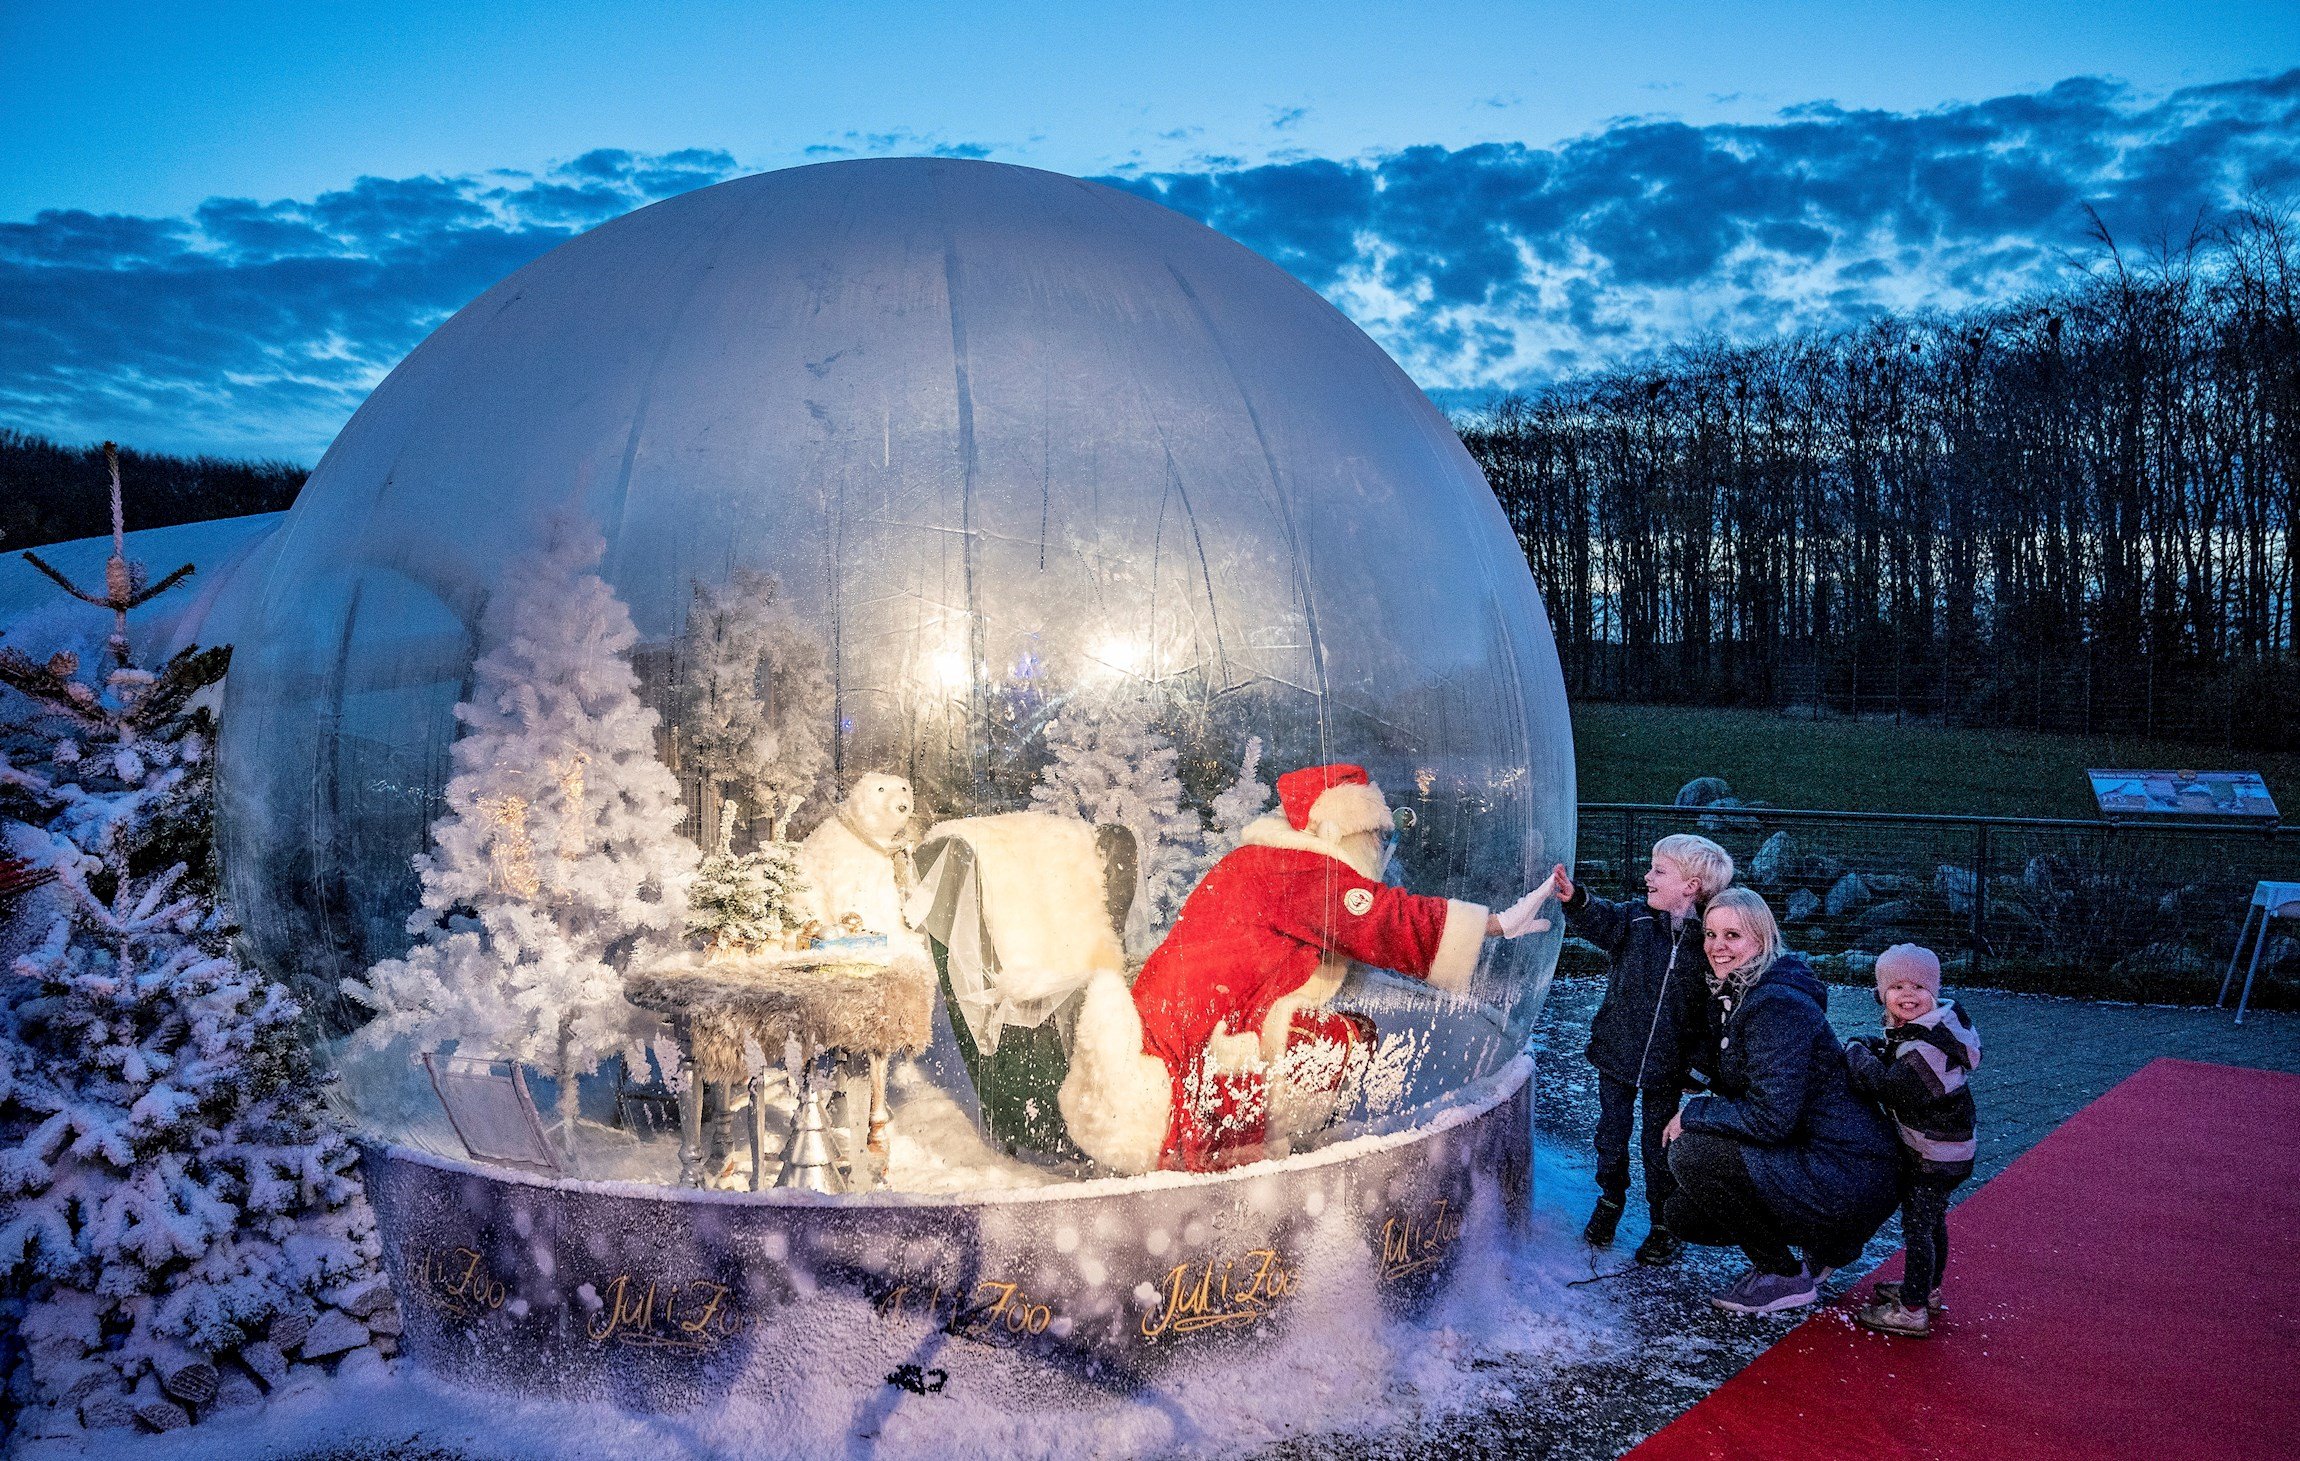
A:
559, 863
743, 901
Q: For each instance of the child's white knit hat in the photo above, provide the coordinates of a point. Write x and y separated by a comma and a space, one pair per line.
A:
1909, 964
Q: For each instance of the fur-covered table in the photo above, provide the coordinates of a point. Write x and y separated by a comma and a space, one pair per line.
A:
827, 1001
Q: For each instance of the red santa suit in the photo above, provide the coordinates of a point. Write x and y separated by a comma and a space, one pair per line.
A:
1224, 1051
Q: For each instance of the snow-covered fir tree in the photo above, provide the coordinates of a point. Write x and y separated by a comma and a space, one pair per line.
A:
1231, 811
1238, 804
170, 1192
1110, 764
754, 697
559, 862
742, 901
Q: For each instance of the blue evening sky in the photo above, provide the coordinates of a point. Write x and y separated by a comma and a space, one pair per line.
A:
220, 223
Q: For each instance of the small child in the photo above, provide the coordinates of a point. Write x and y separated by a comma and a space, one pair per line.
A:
1654, 1014
1917, 1072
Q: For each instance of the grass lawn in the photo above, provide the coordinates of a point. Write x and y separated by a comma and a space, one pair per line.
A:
1640, 753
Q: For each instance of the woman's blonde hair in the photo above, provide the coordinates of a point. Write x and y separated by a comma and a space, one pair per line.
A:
1756, 921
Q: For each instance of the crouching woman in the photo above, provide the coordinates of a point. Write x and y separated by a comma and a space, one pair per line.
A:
1780, 1158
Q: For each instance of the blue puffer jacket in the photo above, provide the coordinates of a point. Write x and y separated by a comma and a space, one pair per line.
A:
1825, 1159
1651, 1020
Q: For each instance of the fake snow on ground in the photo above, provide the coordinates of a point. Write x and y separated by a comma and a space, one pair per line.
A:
1341, 1368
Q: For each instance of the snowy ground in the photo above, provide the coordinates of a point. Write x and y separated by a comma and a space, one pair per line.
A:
1544, 1363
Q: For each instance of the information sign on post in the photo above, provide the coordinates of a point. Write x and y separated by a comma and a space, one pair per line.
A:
2239, 798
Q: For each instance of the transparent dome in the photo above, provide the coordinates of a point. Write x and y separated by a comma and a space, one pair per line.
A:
1010, 451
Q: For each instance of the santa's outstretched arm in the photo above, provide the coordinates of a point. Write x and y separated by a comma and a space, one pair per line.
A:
1437, 939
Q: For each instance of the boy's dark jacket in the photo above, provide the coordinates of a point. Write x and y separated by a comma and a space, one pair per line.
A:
1918, 1073
1653, 1013
1824, 1158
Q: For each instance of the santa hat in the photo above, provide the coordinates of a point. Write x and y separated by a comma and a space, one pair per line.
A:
1909, 964
1341, 797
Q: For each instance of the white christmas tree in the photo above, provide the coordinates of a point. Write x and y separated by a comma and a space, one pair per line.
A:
559, 863
1241, 803
755, 697
1236, 806
1112, 766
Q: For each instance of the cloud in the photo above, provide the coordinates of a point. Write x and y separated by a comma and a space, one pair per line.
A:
257, 327
1497, 265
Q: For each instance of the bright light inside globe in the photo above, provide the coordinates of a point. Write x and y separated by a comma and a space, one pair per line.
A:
1124, 654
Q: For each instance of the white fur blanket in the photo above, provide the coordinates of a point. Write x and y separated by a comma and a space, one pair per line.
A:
1043, 900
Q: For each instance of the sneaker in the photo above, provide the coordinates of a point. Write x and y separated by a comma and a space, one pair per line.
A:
1660, 1247
1599, 1232
1891, 1318
1890, 1293
1759, 1292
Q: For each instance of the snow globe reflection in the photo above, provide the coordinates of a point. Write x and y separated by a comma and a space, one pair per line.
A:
1053, 704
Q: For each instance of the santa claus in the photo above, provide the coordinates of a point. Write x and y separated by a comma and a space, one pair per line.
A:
1223, 1052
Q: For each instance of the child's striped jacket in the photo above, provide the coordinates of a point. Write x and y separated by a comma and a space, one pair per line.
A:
1917, 1073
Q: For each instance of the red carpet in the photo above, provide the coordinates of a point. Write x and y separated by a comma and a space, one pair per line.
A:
2127, 1288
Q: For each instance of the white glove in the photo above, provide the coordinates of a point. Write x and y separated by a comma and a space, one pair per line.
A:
1524, 916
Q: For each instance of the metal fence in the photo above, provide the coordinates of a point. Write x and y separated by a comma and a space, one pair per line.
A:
2109, 910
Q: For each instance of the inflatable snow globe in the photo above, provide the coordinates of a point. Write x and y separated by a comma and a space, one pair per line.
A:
918, 735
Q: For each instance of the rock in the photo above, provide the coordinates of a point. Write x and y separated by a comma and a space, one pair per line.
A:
1955, 884
361, 1363
264, 1361
2045, 874
288, 1330
235, 1390
107, 1411
1847, 894
364, 1299
386, 1346
334, 1333
2279, 953
1774, 858
387, 1322
1802, 905
1884, 918
162, 1415
1703, 791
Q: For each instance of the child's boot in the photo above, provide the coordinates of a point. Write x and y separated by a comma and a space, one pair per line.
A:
1889, 1317
1660, 1247
1890, 1293
1599, 1232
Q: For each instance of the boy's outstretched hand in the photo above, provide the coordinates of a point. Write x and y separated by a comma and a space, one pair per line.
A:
1562, 880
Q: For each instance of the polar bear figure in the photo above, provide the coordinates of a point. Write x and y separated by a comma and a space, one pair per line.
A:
858, 861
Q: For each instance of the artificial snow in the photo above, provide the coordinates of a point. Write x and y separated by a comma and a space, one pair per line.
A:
1343, 1365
